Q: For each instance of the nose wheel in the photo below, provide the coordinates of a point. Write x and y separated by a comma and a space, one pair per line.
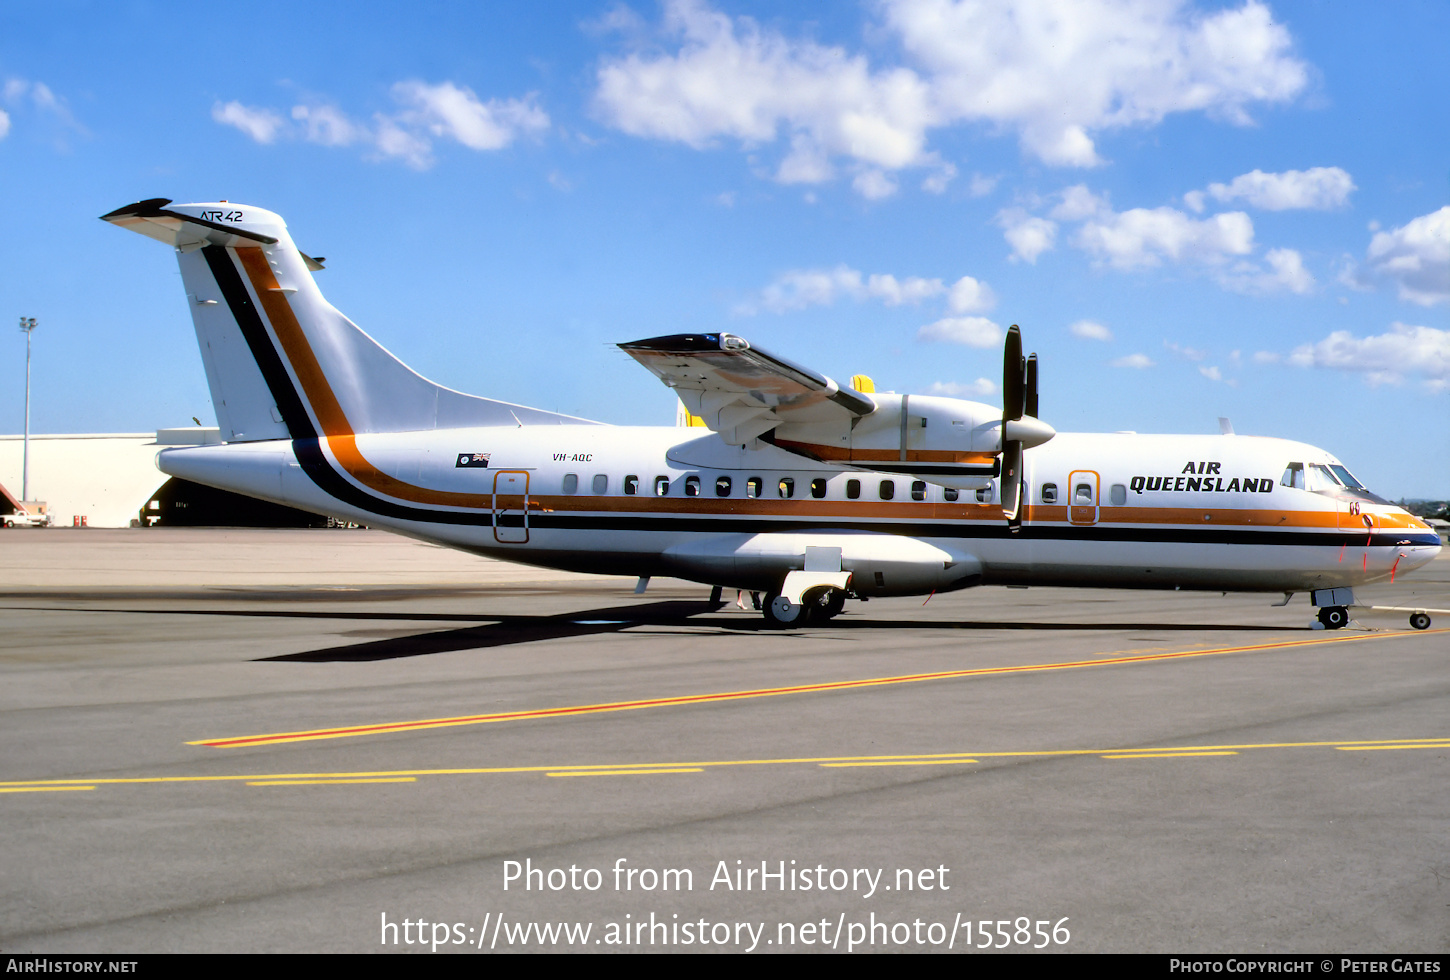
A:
1334, 617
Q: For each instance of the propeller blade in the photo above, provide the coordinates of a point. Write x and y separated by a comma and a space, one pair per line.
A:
1012, 387
1012, 482
1030, 383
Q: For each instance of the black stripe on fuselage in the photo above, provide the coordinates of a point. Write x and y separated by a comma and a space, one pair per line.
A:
308, 449
305, 443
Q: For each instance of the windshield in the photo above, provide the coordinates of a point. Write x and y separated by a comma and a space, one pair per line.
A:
1346, 477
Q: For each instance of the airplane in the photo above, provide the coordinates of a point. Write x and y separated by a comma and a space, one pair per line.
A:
794, 487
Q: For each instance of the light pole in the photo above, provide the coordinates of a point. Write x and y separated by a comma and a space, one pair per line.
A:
28, 325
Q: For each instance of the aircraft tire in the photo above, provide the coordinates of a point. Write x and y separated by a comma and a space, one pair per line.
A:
822, 604
1420, 621
781, 613
1334, 617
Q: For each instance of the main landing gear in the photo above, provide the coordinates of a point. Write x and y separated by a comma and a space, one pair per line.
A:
1333, 617
816, 606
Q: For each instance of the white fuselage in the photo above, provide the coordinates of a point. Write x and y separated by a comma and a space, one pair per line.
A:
1123, 510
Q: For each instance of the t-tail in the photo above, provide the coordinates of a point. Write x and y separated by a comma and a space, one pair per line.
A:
281, 361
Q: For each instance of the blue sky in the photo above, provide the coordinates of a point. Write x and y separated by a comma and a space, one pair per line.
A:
1192, 209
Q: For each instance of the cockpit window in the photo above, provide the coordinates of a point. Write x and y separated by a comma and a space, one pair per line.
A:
1346, 477
1293, 476
1321, 479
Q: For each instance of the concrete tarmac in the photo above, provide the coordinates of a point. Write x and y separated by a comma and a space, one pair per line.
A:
315, 740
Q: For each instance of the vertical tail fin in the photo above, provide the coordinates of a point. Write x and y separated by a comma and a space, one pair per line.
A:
280, 360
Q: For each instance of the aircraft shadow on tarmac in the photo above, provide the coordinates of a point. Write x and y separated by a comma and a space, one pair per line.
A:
507, 630
510, 630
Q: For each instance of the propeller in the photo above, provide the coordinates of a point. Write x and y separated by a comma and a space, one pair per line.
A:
1020, 427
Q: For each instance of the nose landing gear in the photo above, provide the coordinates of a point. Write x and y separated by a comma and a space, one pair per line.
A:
1333, 617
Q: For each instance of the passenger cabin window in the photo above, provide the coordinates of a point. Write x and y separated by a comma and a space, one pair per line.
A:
949, 494
631, 485
692, 486
1293, 476
753, 486
1082, 494
722, 486
662, 486
1118, 495
571, 482
786, 487
601, 484
984, 495
853, 489
1049, 493
818, 489
887, 489
918, 489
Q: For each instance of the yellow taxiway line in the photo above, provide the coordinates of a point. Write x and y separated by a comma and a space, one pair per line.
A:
389, 728
680, 766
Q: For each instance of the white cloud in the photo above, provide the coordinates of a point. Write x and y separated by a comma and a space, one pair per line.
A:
1091, 330
937, 183
969, 295
874, 185
1212, 373
1416, 257
1187, 353
1320, 188
981, 186
1028, 236
262, 125
1141, 237
446, 110
971, 331
1266, 357
1078, 203
4, 124
326, 124
802, 288
894, 292
1054, 73
1384, 358
1194, 200
1286, 273
981, 388
426, 113
1136, 361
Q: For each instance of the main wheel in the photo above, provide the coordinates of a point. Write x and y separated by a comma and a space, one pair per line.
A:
823, 604
781, 613
1334, 617
1420, 621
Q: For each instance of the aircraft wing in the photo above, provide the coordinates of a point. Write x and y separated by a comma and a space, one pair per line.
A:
741, 391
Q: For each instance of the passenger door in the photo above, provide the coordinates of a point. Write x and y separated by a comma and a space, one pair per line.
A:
1082, 501
511, 506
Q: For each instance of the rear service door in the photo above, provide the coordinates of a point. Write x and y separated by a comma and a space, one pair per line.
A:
511, 506
1082, 501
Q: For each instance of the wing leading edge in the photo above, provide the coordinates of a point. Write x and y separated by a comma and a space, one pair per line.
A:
742, 391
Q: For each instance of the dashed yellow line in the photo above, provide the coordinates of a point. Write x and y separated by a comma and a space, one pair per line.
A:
898, 762
389, 728
331, 782
1166, 755
680, 766
621, 772
39, 788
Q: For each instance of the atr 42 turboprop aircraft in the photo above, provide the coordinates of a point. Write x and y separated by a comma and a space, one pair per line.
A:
802, 490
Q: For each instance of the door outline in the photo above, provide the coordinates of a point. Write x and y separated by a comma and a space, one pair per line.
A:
511, 506
1083, 514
